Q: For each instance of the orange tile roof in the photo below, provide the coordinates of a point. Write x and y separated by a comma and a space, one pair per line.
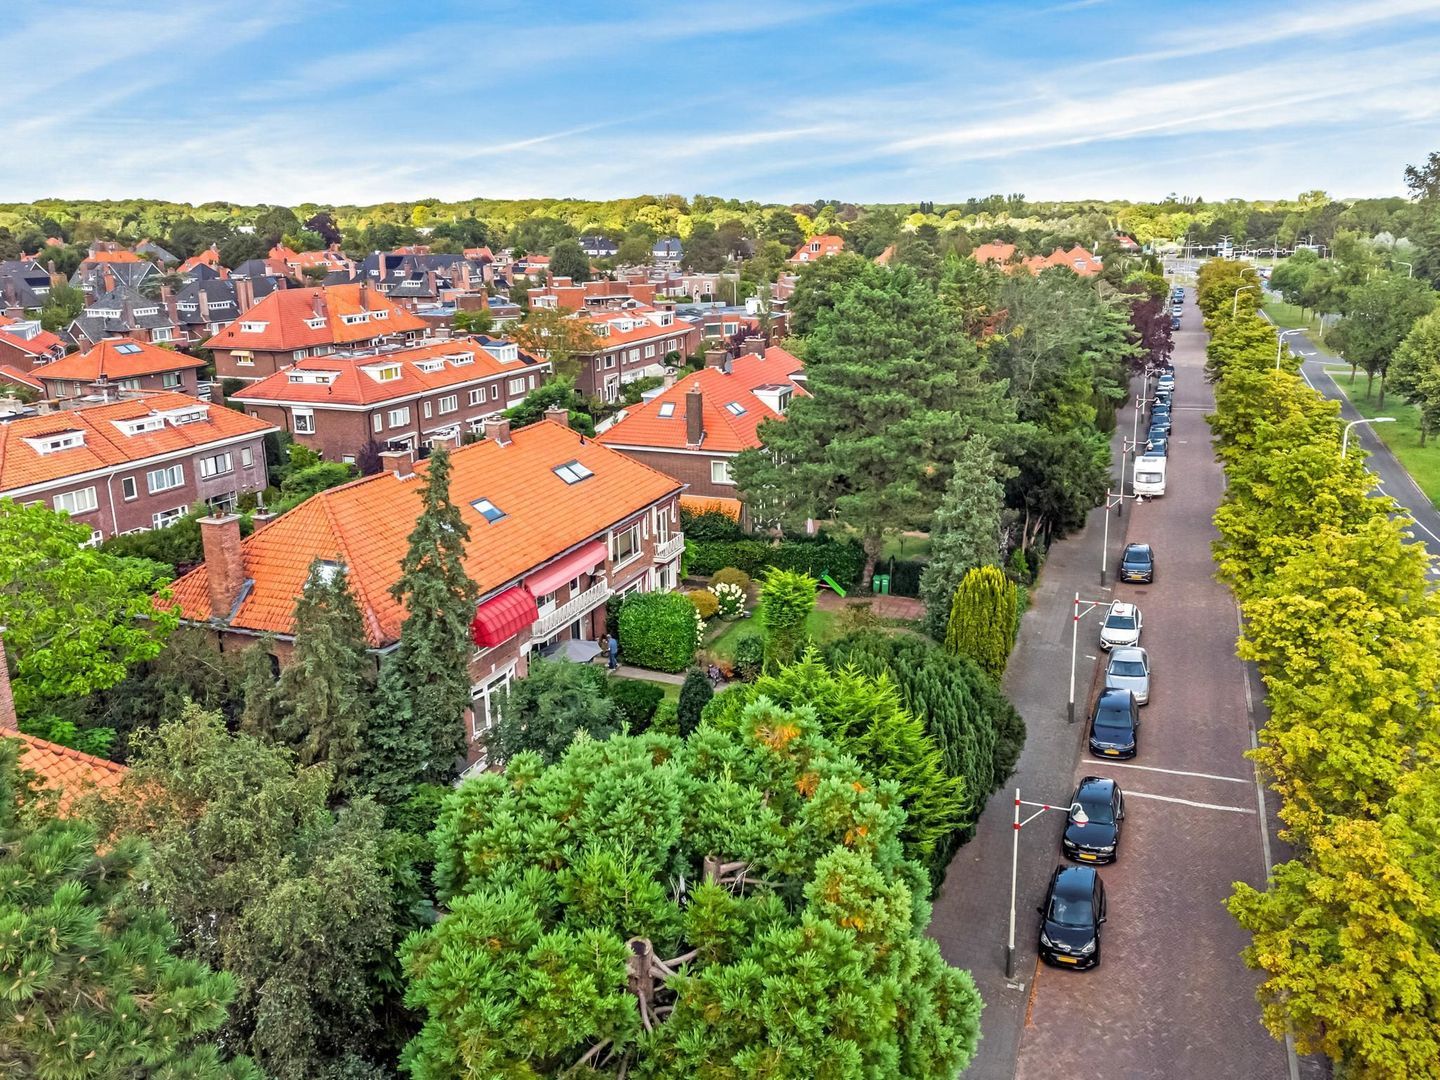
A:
112, 257
641, 330
67, 771
725, 432
106, 445
353, 386
993, 252
829, 245
118, 358
366, 526
42, 342
285, 312
208, 257
24, 378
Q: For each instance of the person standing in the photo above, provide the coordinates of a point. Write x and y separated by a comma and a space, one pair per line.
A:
612, 646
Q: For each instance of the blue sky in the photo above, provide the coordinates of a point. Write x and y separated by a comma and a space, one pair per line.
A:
319, 100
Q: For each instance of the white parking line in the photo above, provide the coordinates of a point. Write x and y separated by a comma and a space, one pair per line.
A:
1130, 794
1173, 772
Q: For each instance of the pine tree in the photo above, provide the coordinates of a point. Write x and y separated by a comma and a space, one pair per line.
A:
417, 733
966, 530
982, 620
261, 714
325, 690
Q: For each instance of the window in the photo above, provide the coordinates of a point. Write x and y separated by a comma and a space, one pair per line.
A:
649, 351
572, 472
625, 544
734, 408
222, 503
400, 417
495, 391
485, 701
449, 403
667, 409
243, 359
168, 517
426, 406
77, 502
96, 536
304, 422
62, 440
477, 396
610, 360
517, 386
127, 488
247, 457
720, 473
634, 354
160, 333
172, 476
129, 384
215, 465
377, 422
129, 348
389, 373
253, 327
169, 379
488, 510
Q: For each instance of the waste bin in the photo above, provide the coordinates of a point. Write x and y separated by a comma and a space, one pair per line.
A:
880, 583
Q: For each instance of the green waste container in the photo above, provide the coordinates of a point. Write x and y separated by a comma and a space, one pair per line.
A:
880, 583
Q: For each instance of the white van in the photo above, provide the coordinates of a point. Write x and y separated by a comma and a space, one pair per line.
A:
1149, 476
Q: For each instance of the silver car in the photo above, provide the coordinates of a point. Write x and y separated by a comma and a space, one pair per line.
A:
1129, 669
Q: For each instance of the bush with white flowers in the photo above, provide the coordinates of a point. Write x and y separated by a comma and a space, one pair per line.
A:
729, 599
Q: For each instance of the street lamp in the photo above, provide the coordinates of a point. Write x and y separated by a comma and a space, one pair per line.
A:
1235, 303
1345, 438
1410, 267
1280, 343
1080, 819
1090, 605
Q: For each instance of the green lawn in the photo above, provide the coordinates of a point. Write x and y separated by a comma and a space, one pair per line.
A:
820, 626
1402, 437
1289, 317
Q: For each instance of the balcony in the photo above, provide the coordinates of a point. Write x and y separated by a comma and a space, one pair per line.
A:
667, 550
568, 612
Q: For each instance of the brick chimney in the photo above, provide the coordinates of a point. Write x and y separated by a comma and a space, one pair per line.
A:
399, 462
559, 415
694, 417
107, 278
244, 294
717, 358
755, 344
8, 720
220, 540
498, 432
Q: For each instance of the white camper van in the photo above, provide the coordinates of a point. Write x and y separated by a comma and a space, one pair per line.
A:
1149, 476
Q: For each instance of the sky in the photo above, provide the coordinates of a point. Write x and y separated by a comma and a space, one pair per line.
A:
291, 101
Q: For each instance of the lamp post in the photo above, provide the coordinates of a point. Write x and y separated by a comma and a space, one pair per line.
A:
1280, 343
1080, 819
1410, 267
1089, 605
1118, 502
1345, 438
1235, 302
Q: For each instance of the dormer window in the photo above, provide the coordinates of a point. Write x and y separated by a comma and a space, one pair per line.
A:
460, 359
572, 472
506, 352
380, 313
430, 366
253, 327
358, 317
317, 323
153, 422
187, 416
56, 441
385, 373
326, 571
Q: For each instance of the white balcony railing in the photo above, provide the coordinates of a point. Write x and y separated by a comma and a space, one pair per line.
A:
668, 549
551, 620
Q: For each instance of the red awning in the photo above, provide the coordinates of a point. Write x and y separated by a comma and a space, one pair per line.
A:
580, 561
502, 617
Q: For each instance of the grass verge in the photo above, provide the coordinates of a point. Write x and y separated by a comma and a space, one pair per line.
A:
1289, 317
1402, 437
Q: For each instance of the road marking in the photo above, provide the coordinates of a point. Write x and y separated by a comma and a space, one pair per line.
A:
1132, 794
1173, 772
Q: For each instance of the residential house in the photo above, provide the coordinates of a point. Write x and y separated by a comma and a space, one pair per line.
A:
413, 279
398, 397
13, 380
105, 270
599, 247
124, 312
1003, 255
557, 524
564, 295
667, 252
25, 345
24, 286
290, 325
535, 267
149, 249
209, 259
694, 429
135, 464
120, 364
284, 262
818, 247
633, 344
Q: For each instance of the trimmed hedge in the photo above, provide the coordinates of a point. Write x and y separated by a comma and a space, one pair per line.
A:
904, 576
843, 560
658, 631
711, 525
637, 701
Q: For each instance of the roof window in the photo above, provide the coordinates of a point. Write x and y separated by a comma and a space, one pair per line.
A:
127, 349
253, 327
59, 440
734, 408
572, 472
667, 409
488, 510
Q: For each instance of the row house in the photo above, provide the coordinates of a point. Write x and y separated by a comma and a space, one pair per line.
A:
284, 262
24, 286
135, 464
120, 365
667, 252
633, 344
415, 278
124, 312
1007, 258
599, 247
562, 294
290, 325
557, 525
694, 429
25, 345
394, 398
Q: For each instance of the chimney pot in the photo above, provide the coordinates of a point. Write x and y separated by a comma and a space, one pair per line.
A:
498, 431
220, 541
399, 462
560, 415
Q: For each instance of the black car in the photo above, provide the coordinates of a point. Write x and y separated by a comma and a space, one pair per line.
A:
1157, 444
1115, 727
1137, 563
1160, 420
1174, 322
1092, 831
1071, 916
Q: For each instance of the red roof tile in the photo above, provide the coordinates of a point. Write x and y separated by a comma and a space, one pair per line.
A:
286, 317
23, 378
118, 358
65, 770
818, 247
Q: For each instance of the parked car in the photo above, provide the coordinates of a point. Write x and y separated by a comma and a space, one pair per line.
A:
1160, 420
1092, 830
1174, 322
1071, 915
1121, 626
1137, 563
1166, 381
1157, 444
1115, 727
1129, 669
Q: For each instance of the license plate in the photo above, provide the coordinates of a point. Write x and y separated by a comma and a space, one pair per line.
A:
1067, 959
1087, 858
1113, 752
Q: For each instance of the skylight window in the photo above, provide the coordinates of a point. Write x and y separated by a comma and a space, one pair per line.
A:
488, 510
734, 408
127, 349
667, 409
572, 472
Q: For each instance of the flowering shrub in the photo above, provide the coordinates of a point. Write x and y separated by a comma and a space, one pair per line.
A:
729, 599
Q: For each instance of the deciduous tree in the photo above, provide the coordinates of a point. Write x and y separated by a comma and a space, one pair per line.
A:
561, 337
1415, 372
544, 712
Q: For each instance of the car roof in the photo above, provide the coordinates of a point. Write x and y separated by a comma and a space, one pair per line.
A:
1128, 652
1110, 693
1102, 786
1120, 607
1074, 882
1137, 547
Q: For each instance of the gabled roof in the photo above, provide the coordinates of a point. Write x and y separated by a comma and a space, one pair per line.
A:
210, 257
465, 360
818, 247
995, 251
117, 358
365, 525
62, 769
28, 339
641, 328
20, 378
285, 316
106, 444
726, 430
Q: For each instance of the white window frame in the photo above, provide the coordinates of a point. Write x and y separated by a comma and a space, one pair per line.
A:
247, 457
631, 530
377, 423
303, 421
221, 464
720, 472
129, 491
170, 478
166, 518
477, 395
399, 417
482, 716
516, 386
79, 501
448, 404
170, 379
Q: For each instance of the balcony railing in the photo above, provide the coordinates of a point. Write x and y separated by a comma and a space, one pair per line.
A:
572, 609
667, 550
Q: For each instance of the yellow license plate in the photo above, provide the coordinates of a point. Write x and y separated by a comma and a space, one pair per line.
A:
1067, 959
1112, 751
1087, 858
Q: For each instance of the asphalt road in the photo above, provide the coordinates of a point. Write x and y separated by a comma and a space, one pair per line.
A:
1171, 998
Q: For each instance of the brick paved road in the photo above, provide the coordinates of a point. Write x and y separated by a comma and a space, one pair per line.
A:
1171, 999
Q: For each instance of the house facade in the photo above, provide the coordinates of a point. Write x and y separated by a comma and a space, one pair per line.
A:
133, 465
120, 364
557, 525
633, 344
396, 398
816, 248
25, 345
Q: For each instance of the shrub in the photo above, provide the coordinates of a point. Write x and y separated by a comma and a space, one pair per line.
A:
856, 617
666, 716
660, 631
710, 525
731, 576
843, 560
729, 599
905, 577
695, 694
543, 711
1020, 567
983, 620
636, 701
705, 601
749, 657
786, 600
710, 556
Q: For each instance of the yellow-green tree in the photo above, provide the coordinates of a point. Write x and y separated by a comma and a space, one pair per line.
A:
982, 619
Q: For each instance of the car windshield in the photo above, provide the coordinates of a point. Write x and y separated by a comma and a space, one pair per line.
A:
1098, 811
1115, 719
1120, 622
1130, 669
1071, 912
1137, 558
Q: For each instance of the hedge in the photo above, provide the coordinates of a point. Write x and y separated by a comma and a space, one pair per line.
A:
637, 701
843, 560
710, 525
904, 576
658, 631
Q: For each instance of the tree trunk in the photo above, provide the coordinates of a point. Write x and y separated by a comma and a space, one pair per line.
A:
1383, 372
1369, 383
872, 543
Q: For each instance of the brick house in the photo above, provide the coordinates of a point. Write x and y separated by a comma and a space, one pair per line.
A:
693, 429
562, 294
558, 524
124, 312
25, 345
396, 398
290, 325
816, 248
103, 271
133, 465
633, 345
121, 364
